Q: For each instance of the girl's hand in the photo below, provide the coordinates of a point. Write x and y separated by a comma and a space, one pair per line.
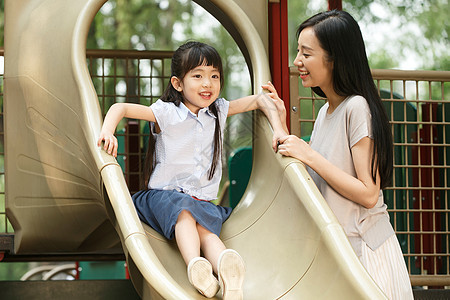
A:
110, 145
293, 146
279, 104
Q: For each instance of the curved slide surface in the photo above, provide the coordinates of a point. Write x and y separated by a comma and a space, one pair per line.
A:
63, 192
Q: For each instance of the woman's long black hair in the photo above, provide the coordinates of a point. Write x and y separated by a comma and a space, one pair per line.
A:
187, 57
340, 36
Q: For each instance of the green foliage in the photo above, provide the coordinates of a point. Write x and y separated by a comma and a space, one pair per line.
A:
298, 11
137, 24
164, 25
12, 271
381, 60
406, 34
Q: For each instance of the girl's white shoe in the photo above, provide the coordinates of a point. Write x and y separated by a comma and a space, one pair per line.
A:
200, 274
231, 271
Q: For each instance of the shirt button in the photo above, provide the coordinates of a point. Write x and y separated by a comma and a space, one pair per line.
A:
198, 168
197, 149
200, 129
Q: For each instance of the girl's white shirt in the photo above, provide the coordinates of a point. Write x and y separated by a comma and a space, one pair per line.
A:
184, 149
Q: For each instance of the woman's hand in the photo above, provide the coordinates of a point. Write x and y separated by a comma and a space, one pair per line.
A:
279, 104
294, 146
277, 136
110, 145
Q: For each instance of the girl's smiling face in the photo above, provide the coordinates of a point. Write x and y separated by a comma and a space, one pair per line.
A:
312, 62
200, 87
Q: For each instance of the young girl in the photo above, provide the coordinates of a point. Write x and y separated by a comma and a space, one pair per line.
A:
184, 164
350, 152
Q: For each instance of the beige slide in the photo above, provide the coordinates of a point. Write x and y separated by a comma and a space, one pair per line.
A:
65, 195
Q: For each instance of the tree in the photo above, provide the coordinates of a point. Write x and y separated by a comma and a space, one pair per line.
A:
405, 34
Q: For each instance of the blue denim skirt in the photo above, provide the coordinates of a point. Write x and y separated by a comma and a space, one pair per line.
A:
160, 209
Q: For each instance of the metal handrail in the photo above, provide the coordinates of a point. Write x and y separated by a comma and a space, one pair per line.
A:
411, 75
132, 54
408, 75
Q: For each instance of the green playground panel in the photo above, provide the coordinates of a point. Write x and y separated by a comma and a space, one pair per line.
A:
239, 170
90, 270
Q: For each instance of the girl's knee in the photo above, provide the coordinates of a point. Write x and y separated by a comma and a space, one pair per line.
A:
205, 233
202, 230
185, 215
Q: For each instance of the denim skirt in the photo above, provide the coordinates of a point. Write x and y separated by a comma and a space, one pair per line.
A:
160, 209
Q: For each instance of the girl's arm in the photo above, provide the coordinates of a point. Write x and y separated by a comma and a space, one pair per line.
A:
267, 106
360, 189
117, 112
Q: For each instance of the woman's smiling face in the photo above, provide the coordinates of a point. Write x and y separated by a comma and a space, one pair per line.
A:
312, 62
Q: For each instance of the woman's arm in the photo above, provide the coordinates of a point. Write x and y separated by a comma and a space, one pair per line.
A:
267, 106
117, 112
360, 189
279, 103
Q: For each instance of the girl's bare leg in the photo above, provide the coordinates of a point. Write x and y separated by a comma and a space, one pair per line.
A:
211, 245
231, 270
200, 270
187, 236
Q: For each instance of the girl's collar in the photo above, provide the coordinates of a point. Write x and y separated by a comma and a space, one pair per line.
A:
183, 111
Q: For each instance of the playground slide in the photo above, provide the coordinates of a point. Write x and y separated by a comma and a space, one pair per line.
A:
63, 192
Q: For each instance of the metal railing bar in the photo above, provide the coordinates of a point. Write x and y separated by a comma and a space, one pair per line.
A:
135, 54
